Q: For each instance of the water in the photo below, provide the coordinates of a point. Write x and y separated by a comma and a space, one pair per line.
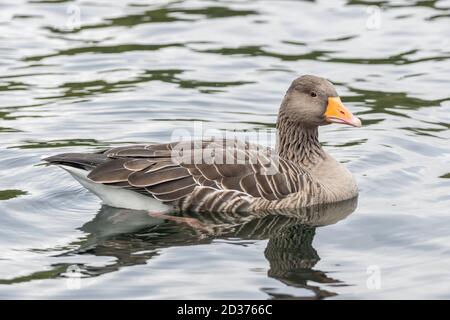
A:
88, 74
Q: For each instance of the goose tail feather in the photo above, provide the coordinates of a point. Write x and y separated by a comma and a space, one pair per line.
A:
84, 161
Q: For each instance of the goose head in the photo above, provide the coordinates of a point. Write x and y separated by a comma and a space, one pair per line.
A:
312, 101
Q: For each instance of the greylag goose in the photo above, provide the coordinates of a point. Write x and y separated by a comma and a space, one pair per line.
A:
228, 175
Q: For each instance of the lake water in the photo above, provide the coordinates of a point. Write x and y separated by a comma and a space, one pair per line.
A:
82, 75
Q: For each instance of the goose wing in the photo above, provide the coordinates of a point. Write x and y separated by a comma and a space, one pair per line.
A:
201, 173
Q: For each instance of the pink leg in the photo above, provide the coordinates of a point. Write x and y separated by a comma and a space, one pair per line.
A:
192, 222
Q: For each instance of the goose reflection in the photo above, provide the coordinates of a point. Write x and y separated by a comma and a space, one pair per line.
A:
134, 237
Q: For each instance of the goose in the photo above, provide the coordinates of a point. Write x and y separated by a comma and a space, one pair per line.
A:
228, 175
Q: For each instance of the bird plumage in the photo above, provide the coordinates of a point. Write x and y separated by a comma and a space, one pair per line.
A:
226, 175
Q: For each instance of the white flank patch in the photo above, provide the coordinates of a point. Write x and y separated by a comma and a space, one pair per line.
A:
117, 196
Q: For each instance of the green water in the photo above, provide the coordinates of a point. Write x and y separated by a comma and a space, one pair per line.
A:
82, 75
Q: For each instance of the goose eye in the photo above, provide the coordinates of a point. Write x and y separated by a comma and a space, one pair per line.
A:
313, 94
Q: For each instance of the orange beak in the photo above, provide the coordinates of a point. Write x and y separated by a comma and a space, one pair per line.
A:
336, 112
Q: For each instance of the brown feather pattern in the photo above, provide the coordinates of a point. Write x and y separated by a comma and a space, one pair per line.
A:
222, 175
